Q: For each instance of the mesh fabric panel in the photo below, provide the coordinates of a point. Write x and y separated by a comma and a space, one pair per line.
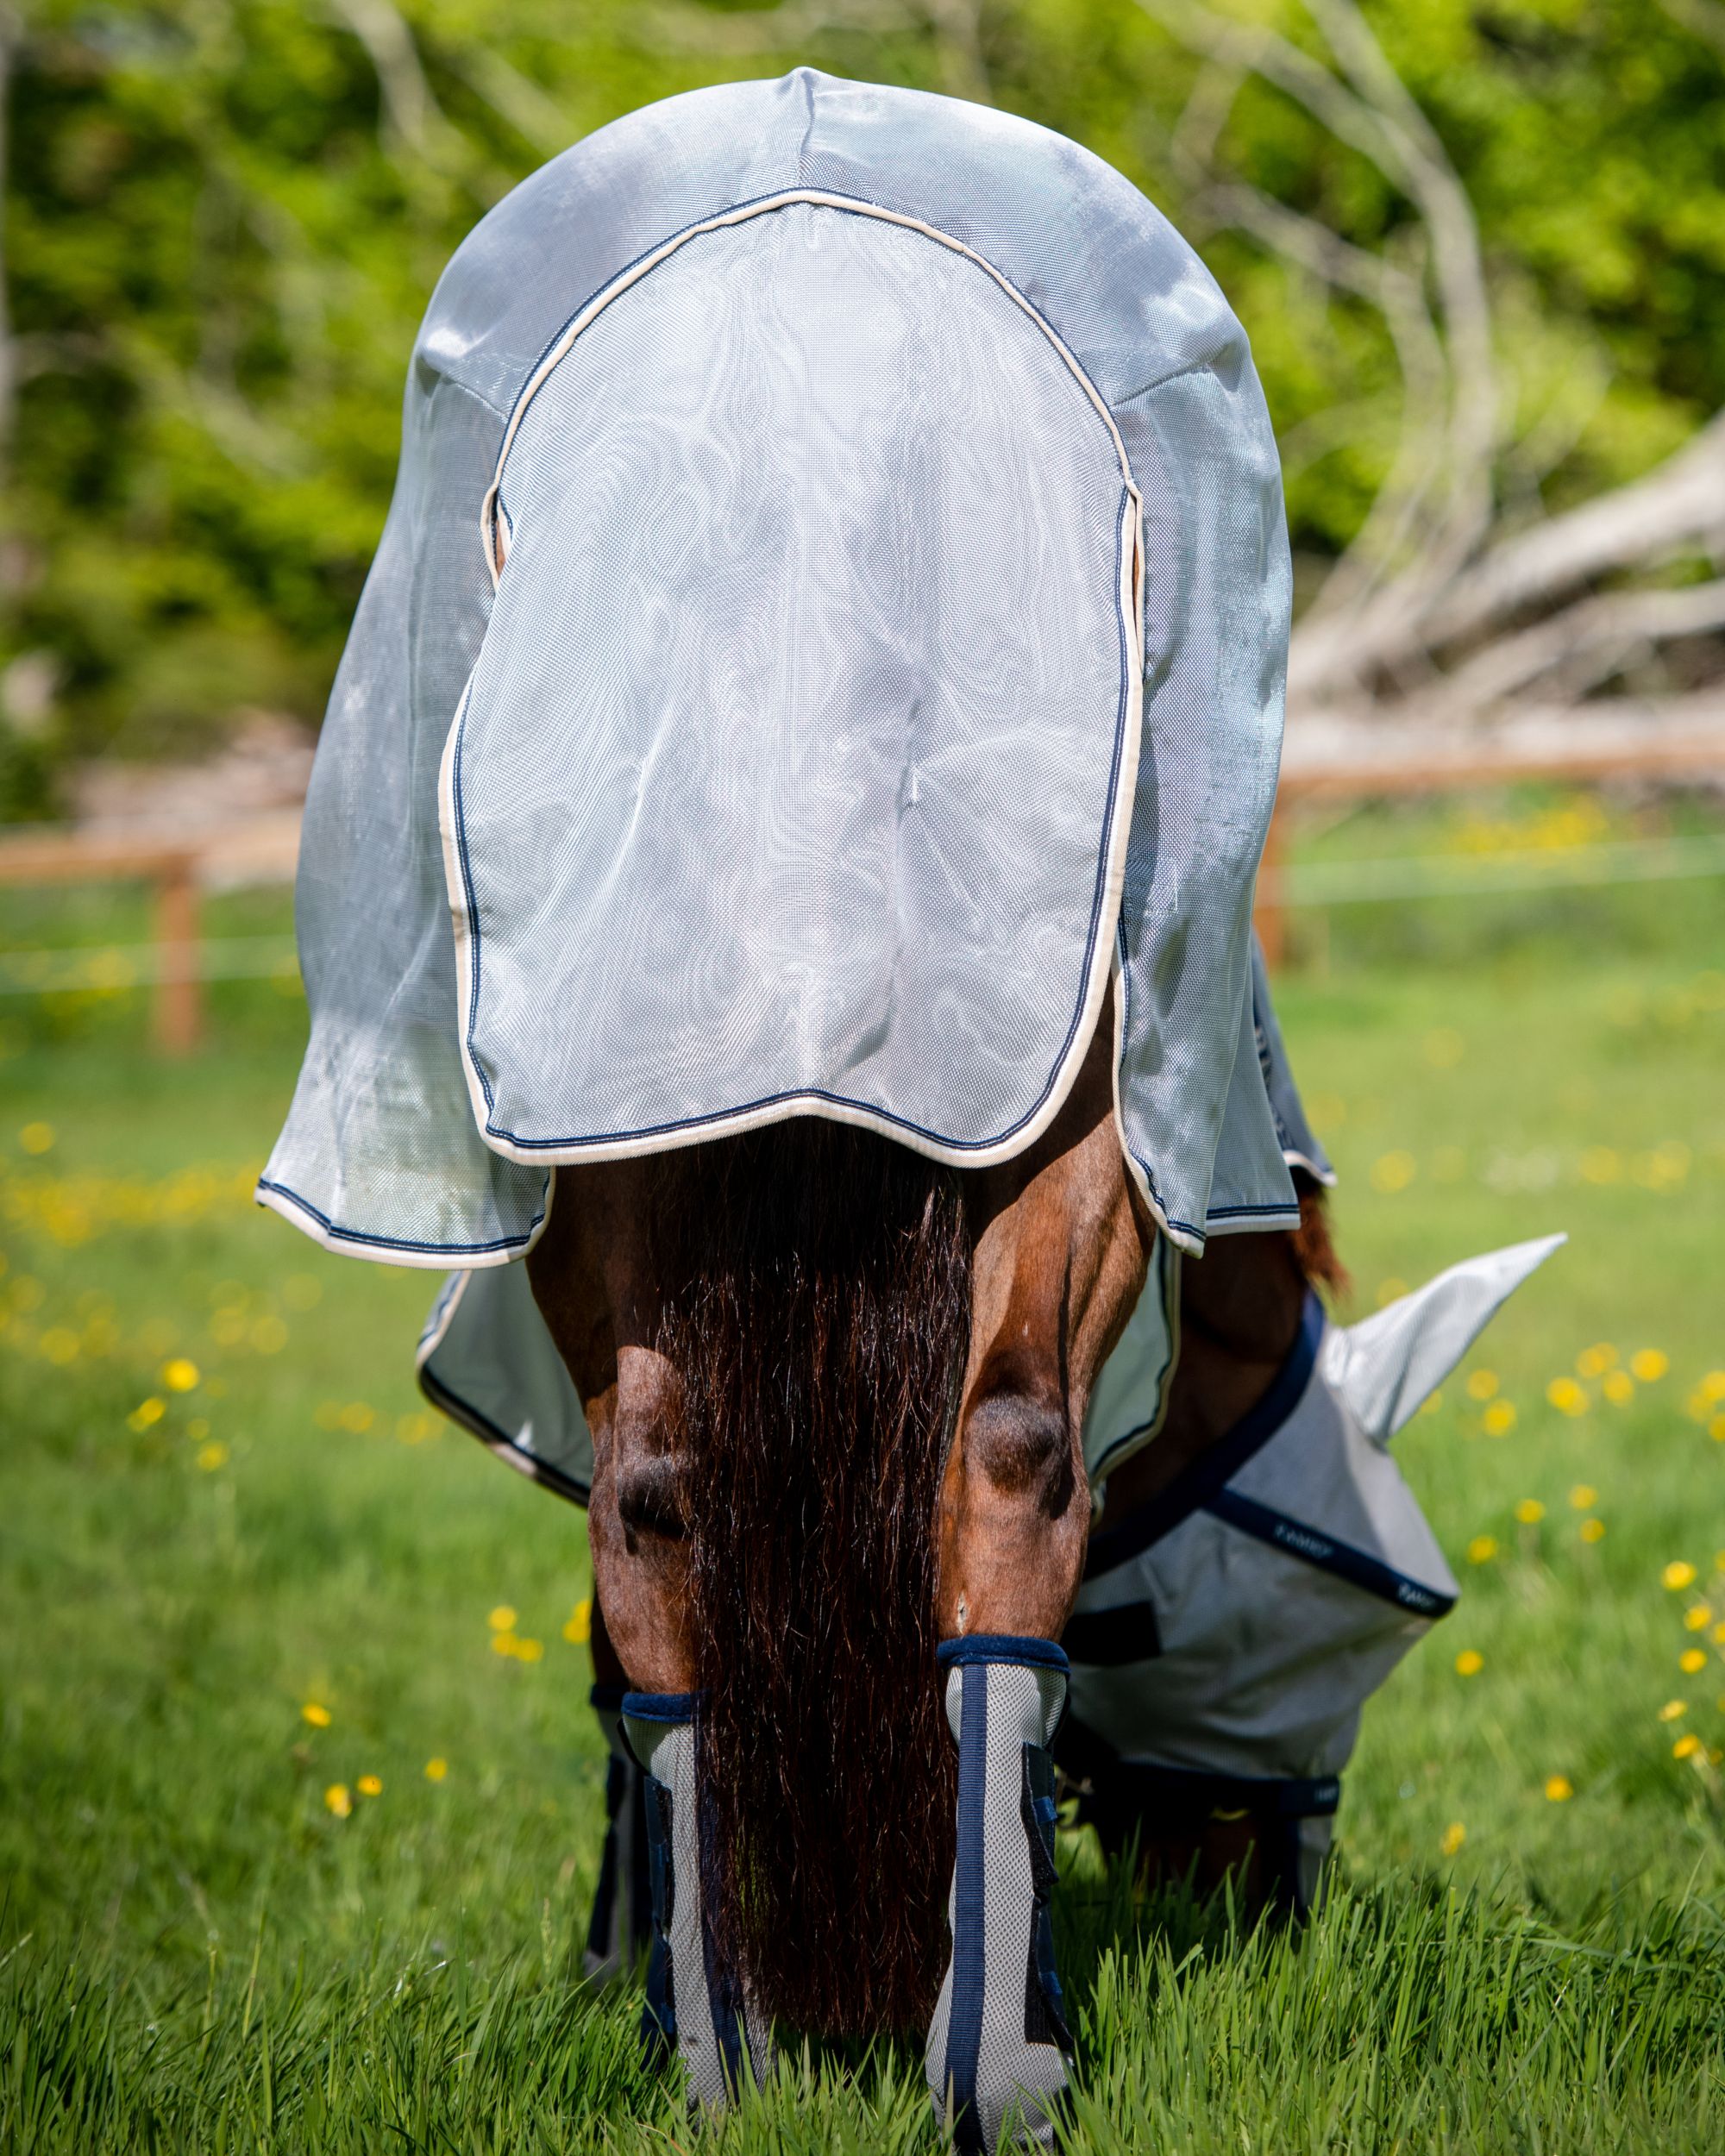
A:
382, 1152
789, 763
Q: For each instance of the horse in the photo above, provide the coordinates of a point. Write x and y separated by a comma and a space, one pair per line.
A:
774, 907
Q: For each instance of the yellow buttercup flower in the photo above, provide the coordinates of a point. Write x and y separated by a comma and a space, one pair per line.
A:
212, 1455
1499, 1419
36, 1138
1713, 1386
528, 1650
1454, 1835
436, 1769
1693, 1660
370, 1785
317, 1714
1391, 1172
358, 1417
337, 1799
1697, 1617
1444, 1048
1470, 1662
502, 1619
1673, 1710
1719, 1633
1593, 1531
1482, 1549
1583, 1497
1677, 1575
579, 1630
1482, 1384
503, 1643
1600, 1164
1566, 1396
1649, 1364
1715, 1429
145, 1412
180, 1375
1619, 1388
1686, 1747
1595, 1361
1559, 1788
1530, 1512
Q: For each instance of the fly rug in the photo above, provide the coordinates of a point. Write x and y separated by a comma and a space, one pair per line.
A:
792, 791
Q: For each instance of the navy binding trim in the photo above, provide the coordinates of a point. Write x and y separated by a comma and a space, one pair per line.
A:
454, 1252
1188, 1492
964, 2018
724, 1992
671, 1708
467, 1417
1000, 1646
1357, 1567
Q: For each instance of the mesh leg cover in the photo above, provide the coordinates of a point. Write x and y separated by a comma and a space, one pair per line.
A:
621, 1928
997, 2044
693, 2006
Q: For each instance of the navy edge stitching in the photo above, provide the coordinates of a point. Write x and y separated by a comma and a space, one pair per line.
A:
1357, 1567
1022, 1649
964, 2017
482, 1427
453, 1250
1109, 823
1188, 1492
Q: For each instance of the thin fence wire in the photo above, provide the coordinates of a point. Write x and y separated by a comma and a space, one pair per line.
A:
115, 966
1467, 875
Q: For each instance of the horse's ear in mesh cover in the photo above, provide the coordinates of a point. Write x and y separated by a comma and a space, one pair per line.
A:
833, 611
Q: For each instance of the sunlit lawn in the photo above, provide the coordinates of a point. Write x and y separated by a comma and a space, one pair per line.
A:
242, 1568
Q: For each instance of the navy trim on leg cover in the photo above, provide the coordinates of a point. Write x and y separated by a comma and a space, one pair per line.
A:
997, 2043
621, 1927
691, 2002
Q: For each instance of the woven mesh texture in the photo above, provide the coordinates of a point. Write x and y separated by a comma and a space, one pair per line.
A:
669, 1750
1021, 1705
789, 761
382, 1152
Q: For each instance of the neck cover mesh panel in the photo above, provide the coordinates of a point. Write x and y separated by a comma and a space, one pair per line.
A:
834, 607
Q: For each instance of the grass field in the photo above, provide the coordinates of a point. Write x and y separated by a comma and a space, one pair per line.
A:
242, 1568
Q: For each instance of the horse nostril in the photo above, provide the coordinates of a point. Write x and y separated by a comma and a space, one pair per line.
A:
1019, 1444
651, 1498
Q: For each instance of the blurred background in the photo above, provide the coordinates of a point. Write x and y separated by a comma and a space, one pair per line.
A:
290, 1673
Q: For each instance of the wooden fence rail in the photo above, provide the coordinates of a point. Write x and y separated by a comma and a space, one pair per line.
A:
263, 848
1461, 771
259, 848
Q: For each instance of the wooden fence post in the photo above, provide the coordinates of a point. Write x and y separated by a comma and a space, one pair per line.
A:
178, 986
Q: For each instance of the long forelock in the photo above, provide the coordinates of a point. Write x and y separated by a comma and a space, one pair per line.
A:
818, 1320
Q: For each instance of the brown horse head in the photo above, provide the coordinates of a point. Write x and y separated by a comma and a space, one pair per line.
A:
837, 1392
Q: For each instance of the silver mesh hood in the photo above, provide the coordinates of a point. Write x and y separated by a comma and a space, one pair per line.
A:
833, 609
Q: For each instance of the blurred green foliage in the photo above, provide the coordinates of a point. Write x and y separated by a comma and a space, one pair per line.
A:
223, 218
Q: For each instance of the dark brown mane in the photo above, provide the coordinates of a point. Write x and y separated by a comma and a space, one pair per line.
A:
816, 1319
1314, 1251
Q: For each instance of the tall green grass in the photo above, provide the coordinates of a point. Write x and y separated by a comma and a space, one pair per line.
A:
199, 1953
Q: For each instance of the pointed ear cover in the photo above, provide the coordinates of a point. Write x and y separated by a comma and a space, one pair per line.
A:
1387, 1364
